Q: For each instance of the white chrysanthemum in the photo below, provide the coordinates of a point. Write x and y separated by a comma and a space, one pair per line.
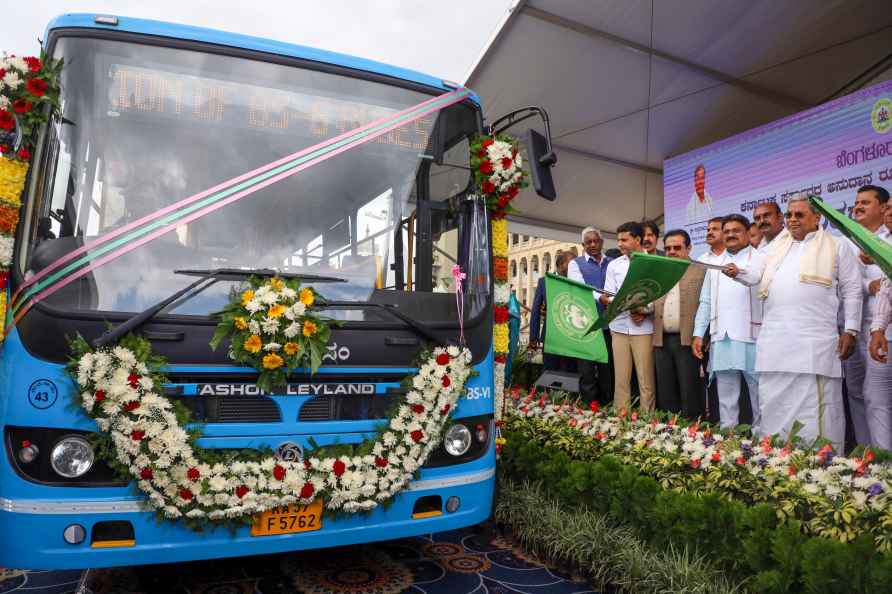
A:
269, 298
292, 330
254, 305
12, 79
272, 346
270, 325
254, 327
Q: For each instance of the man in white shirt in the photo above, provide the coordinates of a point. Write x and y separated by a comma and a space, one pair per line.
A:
807, 274
869, 382
733, 313
770, 220
631, 332
882, 312
700, 205
715, 241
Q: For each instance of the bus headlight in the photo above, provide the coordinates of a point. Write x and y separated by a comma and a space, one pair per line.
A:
457, 440
72, 457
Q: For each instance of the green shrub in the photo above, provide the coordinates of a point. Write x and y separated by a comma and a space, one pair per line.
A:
755, 544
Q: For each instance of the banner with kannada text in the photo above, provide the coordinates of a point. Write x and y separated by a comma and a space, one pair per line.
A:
828, 151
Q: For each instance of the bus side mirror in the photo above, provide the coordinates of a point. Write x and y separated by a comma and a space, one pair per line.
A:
540, 161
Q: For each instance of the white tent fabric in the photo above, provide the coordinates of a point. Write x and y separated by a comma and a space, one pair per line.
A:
628, 83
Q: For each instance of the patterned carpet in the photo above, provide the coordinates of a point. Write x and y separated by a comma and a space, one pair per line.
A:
459, 562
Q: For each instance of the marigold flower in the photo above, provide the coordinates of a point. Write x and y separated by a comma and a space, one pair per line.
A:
253, 344
291, 348
309, 328
272, 361
240, 323
277, 284
276, 311
247, 296
307, 297
500, 268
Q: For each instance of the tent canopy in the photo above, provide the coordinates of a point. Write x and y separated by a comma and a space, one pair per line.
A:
629, 83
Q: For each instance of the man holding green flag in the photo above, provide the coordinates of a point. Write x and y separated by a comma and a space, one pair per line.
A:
628, 313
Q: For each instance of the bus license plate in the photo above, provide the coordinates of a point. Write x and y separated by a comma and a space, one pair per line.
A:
287, 520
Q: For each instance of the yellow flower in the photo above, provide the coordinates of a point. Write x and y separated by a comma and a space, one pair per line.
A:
500, 238
272, 361
276, 310
309, 328
240, 323
307, 297
500, 338
12, 179
253, 344
247, 296
277, 284
291, 348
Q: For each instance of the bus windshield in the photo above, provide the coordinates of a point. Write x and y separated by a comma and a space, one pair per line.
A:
144, 127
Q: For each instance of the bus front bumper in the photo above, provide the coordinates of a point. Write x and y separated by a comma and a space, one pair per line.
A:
32, 530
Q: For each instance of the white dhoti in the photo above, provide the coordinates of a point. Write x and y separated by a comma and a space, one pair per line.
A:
813, 400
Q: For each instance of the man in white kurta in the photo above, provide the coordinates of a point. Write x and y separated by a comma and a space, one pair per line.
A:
869, 382
799, 349
733, 313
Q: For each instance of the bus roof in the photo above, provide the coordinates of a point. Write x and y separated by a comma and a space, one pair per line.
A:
213, 36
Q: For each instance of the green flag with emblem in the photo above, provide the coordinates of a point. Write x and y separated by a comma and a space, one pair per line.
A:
570, 312
870, 244
648, 279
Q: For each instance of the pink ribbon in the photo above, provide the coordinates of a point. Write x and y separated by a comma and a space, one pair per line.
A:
425, 107
195, 197
460, 276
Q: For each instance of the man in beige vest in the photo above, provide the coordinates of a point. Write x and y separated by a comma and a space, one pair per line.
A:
679, 386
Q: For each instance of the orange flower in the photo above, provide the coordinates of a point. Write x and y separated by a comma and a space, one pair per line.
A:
307, 297
277, 284
276, 310
500, 268
247, 296
253, 344
309, 328
240, 323
291, 348
272, 361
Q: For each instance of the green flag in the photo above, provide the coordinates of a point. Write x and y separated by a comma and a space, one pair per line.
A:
571, 310
870, 244
648, 279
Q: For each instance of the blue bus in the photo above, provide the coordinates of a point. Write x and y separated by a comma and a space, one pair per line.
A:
153, 112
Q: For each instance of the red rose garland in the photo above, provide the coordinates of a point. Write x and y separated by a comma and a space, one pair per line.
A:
27, 86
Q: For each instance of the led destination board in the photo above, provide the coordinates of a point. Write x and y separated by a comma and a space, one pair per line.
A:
193, 99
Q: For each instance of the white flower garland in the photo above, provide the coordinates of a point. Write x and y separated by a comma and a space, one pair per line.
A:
118, 392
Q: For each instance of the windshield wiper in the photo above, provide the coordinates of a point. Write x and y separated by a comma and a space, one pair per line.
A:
241, 273
212, 275
419, 327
